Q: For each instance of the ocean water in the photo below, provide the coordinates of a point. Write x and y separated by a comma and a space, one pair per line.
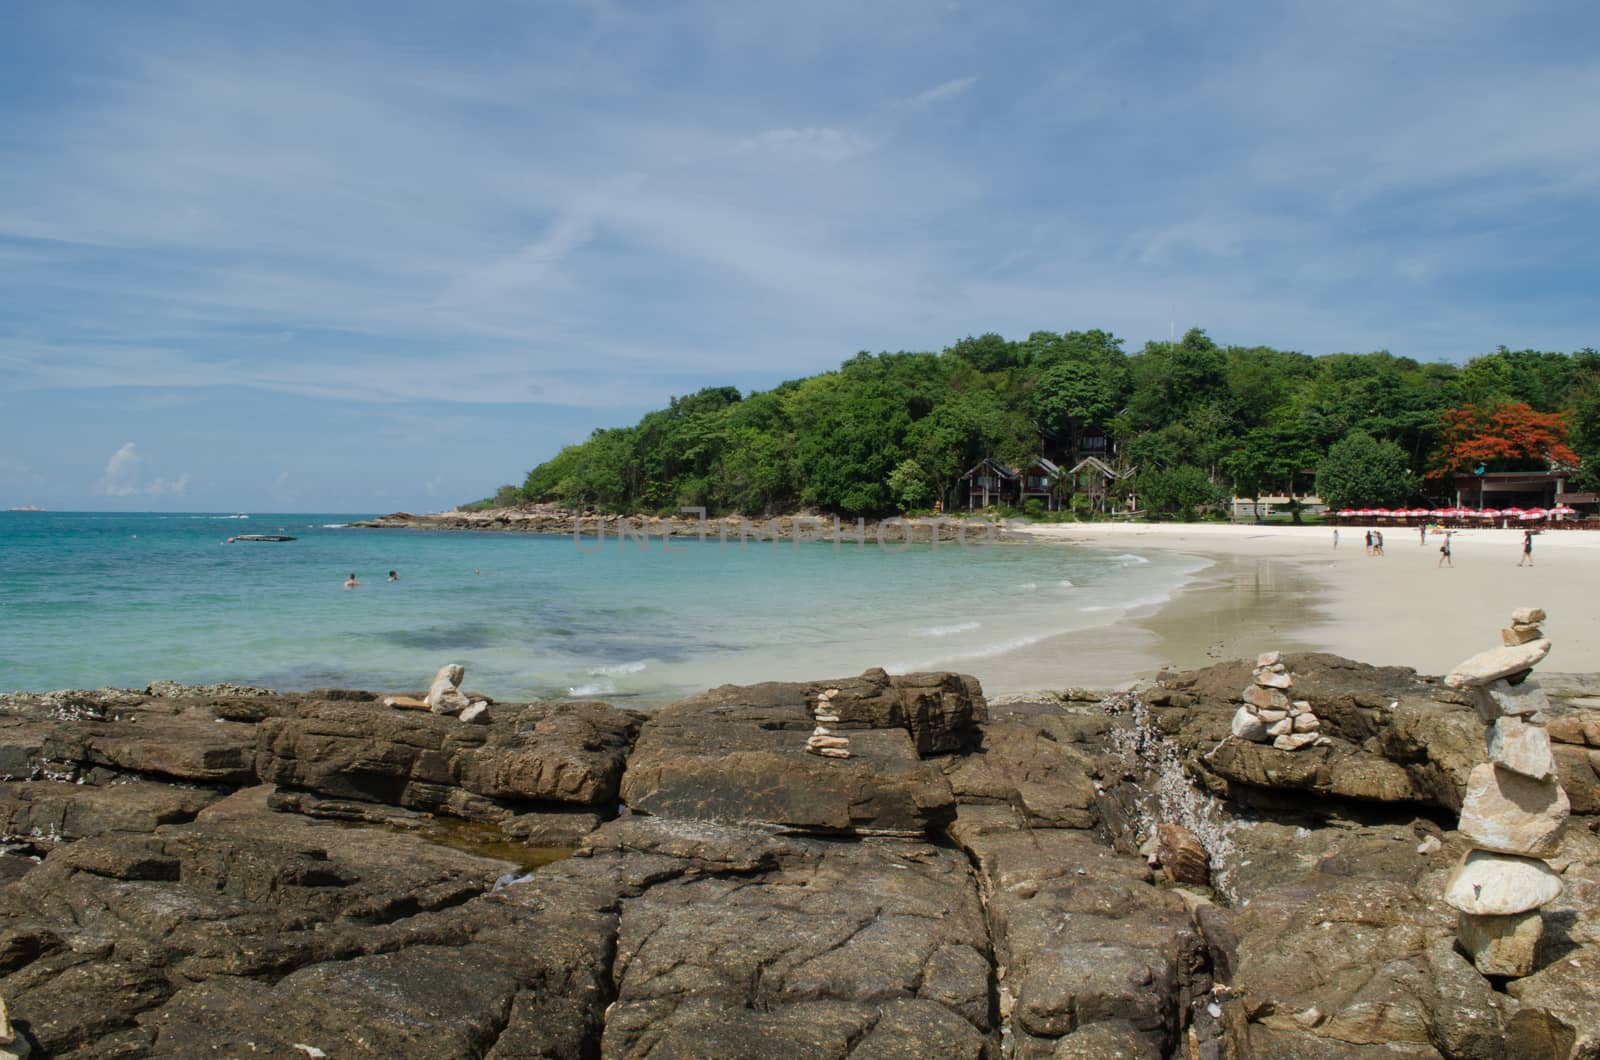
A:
93, 599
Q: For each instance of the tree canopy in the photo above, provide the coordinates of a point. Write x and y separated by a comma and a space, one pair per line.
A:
1360, 469
890, 432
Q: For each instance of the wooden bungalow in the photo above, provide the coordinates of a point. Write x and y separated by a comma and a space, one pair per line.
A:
1098, 479
1039, 479
991, 482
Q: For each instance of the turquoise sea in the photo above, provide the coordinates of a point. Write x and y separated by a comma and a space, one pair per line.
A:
95, 599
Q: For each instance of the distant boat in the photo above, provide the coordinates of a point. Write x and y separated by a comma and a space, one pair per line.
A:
26, 508
264, 537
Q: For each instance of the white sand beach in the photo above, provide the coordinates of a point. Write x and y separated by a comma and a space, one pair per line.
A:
1288, 587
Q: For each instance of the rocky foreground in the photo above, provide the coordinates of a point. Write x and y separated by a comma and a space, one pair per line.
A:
223, 871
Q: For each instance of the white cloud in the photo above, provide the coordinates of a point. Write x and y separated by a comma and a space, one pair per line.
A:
124, 478
941, 92
824, 144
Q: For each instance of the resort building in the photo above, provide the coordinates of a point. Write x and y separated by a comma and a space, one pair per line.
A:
1519, 489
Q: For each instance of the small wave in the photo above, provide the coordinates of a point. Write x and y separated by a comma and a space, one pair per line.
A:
1028, 587
948, 631
1002, 647
1130, 558
985, 651
1132, 604
594, 688
1066, 583
619, 668
333, 526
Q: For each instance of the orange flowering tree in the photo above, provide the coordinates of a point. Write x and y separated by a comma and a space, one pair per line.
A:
1501, 436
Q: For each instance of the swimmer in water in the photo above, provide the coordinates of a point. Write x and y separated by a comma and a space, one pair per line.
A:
350, 582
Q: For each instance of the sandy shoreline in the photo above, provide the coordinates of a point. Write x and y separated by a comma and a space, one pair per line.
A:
1288, 587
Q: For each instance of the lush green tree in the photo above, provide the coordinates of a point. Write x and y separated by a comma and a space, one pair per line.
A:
1177, 491
988, 352
1080, 380
1171, 378
1253, 419
1360, 470
908, 485
1585, 412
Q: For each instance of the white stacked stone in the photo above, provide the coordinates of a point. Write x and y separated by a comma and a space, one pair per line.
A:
445, 695
1270, 714
824, 741
13, 1045
1514, 810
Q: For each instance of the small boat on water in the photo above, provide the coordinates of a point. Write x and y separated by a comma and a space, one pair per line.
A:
262, 537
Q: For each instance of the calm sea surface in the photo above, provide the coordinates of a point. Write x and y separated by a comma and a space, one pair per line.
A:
93, 599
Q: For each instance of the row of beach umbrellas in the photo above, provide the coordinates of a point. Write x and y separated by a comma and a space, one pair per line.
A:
1455, 513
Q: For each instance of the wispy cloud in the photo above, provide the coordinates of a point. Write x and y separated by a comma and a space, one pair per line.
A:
828, 145
590, 209
940, 93
124, 477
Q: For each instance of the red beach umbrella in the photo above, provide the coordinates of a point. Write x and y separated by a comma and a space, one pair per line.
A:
1562, 509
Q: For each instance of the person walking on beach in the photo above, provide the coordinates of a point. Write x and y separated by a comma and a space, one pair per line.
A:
1336, 537
1527, 548
350, 582
1369, 542
1444, 553
1422, 530
1377, 542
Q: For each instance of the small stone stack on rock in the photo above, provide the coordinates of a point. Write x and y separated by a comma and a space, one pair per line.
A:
823, 740
1514, 809
444, 697
13, 1046
1270, 713
1524, 626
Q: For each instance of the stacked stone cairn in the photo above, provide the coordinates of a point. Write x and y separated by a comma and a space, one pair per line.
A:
13, 1045
1514, 809
446, 698
1271, 714
824, 741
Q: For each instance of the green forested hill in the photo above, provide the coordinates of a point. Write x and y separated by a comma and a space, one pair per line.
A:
896, 431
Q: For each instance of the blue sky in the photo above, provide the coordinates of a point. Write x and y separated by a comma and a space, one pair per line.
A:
362, 257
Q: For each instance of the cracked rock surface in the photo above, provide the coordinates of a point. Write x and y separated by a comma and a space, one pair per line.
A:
224, 872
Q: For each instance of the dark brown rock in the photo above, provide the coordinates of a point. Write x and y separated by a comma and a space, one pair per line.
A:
548, 753
1083, 934
808, 937
1182, 858
1394, 737
59, 811
731, 756
1037, 758
1351, 926
939, 710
